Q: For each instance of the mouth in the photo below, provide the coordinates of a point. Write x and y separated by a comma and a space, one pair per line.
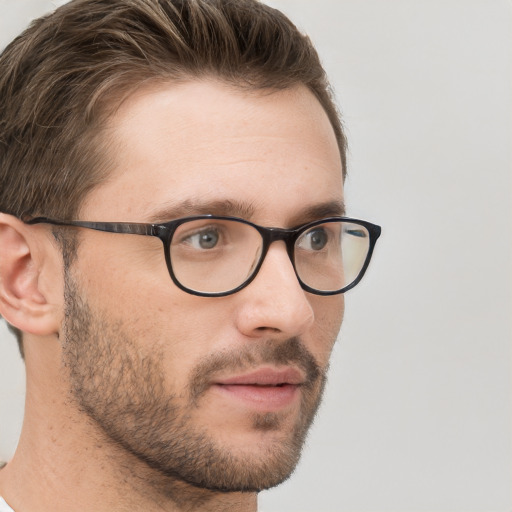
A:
263, 390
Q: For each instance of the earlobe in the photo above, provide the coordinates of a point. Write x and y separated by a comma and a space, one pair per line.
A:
22, 259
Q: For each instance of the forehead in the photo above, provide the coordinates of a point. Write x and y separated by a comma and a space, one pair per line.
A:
206, 142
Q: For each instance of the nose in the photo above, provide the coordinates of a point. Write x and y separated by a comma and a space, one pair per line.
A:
274, 303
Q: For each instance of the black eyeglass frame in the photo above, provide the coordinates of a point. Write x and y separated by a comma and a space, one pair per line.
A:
166, 231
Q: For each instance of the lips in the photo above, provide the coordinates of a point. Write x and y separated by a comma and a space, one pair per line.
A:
266, 377
265, 389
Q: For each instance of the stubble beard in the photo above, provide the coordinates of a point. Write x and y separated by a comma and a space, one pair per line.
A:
122, 390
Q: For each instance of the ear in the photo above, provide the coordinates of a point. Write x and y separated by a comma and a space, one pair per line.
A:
28, 259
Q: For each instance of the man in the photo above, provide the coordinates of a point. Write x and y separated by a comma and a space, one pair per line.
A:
181, 373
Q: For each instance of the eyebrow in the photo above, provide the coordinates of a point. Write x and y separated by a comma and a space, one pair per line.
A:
233, 208
188, 208
320, 211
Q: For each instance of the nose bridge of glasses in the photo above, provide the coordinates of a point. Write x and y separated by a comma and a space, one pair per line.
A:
271, 235
288, 236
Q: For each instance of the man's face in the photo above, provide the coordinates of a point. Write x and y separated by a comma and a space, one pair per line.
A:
217, 392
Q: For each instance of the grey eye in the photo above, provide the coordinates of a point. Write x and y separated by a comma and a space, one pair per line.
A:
314, 240
205, 239
356, 232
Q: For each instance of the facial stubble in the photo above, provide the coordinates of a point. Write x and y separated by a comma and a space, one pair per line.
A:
122, 389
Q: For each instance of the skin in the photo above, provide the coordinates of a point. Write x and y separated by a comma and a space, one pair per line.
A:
270, 157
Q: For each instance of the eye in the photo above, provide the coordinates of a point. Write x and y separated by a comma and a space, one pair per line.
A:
206, 238
360, 233
314, 240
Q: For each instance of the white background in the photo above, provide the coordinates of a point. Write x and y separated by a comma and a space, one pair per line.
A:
417, 416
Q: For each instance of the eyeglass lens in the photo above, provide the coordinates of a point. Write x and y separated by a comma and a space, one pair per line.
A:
218, 255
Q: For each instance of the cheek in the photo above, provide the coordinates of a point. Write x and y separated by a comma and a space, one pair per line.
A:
123, 273
329, 313
156, 314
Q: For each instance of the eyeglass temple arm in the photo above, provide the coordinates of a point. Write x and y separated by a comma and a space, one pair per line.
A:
110, 227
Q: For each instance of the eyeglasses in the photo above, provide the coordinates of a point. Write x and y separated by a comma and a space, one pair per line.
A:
214, 256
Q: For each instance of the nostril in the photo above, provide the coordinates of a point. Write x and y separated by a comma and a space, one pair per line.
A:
271, 329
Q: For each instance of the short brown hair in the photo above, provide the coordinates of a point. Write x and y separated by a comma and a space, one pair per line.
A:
62, 78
